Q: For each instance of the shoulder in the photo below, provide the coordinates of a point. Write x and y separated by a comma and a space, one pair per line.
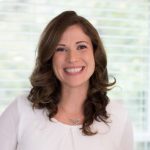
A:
25, 107
23, 102
117, 111
19, 104
120, 125
118, 116
29, 119
117, 123
13, 107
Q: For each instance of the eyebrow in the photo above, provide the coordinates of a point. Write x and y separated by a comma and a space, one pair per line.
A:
82, 42
61, 44
76, 43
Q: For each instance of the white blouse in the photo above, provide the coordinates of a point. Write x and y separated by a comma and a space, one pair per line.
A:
22, 128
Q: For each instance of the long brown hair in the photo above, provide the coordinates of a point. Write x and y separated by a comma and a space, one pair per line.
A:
46, 88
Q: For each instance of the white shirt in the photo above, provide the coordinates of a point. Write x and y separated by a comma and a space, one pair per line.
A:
22, 128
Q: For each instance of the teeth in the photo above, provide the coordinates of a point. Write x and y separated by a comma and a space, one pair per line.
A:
73, 70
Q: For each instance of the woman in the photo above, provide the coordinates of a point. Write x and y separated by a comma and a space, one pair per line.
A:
67, 107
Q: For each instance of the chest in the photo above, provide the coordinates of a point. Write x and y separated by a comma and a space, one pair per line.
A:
55, 137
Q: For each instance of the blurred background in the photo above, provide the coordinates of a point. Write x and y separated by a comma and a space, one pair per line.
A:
124, 26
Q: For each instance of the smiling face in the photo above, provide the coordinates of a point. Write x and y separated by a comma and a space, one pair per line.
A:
73, 60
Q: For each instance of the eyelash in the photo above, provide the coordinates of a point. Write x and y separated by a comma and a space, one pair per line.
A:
81, 47
60, 49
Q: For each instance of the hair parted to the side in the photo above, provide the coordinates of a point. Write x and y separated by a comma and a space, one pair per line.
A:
46, 88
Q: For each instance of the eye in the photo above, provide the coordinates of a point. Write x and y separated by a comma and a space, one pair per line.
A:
60, 49
80, 47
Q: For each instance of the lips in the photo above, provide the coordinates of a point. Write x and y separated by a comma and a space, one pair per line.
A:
74, 70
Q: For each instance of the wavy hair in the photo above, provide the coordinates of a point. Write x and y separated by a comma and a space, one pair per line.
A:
46, 88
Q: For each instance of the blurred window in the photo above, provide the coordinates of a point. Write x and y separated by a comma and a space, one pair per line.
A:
125, 30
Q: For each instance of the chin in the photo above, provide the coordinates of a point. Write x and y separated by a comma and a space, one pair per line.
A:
77, 84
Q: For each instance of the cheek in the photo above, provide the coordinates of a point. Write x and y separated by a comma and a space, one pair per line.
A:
57, 64
91, 59
55, 60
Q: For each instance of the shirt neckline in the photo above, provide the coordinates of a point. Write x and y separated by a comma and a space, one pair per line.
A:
65, 125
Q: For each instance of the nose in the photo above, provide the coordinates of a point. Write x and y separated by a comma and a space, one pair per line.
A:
73, 56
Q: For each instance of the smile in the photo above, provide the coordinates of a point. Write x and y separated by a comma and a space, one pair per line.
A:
73, 70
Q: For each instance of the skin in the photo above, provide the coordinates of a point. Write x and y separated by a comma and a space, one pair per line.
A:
73, 64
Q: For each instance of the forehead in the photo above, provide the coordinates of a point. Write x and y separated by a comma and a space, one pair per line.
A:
74, 33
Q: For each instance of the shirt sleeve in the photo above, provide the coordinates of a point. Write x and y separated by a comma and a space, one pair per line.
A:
8, 127
127, 137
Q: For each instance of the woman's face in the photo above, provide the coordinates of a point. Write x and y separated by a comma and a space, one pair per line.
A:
73, 61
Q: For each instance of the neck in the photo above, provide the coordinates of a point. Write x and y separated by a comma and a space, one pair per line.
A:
72, 99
